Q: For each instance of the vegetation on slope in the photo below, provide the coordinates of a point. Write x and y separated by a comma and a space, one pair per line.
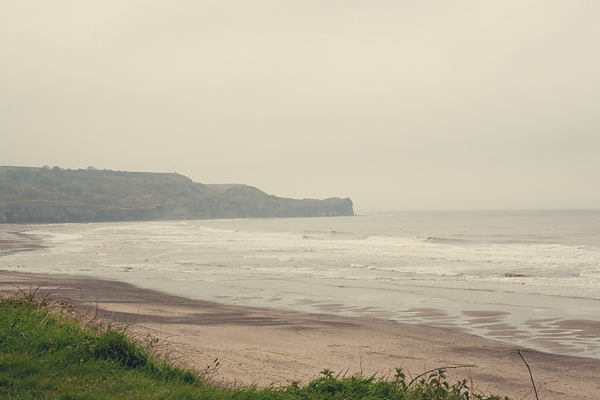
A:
34, 195
43, 355
95, 187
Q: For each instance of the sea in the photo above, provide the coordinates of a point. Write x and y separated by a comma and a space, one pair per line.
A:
527, 278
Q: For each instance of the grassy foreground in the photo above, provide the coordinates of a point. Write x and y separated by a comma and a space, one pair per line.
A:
46, 356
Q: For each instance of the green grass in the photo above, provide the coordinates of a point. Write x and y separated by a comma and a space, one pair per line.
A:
45, 356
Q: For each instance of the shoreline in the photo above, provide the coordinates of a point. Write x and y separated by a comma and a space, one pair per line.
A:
265, 346
16, 242
545, 323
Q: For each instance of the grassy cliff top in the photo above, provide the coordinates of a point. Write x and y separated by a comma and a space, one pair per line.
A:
96, 187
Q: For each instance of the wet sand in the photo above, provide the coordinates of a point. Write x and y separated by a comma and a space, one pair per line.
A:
12, 240
263, 346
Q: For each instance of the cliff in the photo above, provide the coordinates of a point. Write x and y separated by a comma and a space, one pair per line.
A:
44, 195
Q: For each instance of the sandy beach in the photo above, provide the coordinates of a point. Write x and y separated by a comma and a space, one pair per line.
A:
263, 346
244, 345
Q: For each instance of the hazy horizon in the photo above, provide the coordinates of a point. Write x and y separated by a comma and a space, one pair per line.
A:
416, 105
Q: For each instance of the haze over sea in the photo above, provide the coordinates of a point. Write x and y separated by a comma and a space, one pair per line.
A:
529, 278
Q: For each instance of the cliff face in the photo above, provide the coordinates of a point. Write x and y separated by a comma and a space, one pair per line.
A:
247, 201
48, 212
36, 195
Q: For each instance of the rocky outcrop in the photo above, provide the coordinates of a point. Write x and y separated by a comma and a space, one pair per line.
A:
248, 201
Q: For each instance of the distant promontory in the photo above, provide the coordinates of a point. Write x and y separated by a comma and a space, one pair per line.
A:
56, 195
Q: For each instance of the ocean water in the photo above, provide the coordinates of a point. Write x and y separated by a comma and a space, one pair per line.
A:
528, 278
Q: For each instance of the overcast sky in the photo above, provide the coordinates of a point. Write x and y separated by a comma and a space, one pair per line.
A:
399, 105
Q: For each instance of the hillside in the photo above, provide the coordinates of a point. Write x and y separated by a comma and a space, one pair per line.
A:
53, 195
